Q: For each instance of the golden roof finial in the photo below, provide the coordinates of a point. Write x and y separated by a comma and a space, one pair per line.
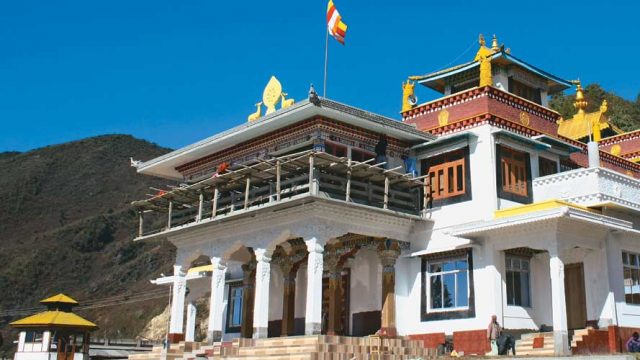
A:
604, 106
483, 51
494, 43
580, 103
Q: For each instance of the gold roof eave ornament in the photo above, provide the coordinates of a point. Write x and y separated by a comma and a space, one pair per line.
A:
483, 56
270, 96
584, 124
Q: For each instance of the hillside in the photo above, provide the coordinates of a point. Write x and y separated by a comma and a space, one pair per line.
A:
622, 112
66, 226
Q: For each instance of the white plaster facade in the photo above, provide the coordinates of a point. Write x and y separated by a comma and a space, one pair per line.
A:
555, 237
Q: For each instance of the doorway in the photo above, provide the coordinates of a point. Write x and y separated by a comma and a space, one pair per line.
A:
575, 296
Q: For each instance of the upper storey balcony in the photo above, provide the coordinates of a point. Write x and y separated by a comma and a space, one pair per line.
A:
591, 187
279, 183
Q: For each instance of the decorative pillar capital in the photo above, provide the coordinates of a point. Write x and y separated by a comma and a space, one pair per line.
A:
388, 259
388, 251
314, 245
218, 263
263, 255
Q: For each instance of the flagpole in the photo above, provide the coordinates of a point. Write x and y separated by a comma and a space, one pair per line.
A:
326, 58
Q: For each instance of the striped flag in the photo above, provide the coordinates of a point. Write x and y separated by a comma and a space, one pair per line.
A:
336, 27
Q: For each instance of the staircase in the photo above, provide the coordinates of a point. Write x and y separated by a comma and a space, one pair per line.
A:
525, 346
316, 347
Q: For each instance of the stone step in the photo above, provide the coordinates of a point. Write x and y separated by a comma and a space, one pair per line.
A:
331, 348
535, 352
529, 343
536, 334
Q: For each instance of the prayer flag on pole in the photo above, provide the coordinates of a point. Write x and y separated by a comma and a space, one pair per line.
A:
336, 27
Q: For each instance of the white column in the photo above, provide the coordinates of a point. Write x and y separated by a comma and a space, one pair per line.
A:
261, 300
177, 301
313, 310
558, 305
190, 331
216, 302
615, 273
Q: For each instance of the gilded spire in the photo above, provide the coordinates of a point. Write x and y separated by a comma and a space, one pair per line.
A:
494, 43
580, 103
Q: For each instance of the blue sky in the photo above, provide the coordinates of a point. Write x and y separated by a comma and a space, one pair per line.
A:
176, 71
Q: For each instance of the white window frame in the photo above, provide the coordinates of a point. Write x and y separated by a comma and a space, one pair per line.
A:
528, 271
442, 273
626, 254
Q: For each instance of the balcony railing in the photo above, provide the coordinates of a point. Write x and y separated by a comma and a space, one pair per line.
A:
589, 187
277, 180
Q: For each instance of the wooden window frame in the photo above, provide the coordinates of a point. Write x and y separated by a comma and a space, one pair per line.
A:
505, 157
543, 162
448, 165
525, 91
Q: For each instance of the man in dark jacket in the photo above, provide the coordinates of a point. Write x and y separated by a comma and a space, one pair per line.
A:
506, 342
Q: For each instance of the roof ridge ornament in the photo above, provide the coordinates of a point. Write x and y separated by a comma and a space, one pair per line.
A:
494, 43
270, 96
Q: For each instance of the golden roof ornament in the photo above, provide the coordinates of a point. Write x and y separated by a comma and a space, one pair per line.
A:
483, 51
409, 99
580, 103
494, 43
270, 96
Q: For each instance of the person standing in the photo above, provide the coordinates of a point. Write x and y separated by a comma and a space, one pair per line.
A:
381, 151
493, 332
633, 344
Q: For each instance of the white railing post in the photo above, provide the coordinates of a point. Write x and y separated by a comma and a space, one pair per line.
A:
246, 192
278, 185
347, 197
313, 181
214, 207
386, 193
170, 214
200, 204
140, 223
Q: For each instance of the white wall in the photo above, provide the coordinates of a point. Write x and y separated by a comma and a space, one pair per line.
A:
483, 202
366, 282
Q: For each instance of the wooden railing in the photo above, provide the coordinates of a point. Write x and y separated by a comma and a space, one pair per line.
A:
274, 181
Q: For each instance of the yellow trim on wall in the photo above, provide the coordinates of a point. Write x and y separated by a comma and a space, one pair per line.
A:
538, 206
203, 268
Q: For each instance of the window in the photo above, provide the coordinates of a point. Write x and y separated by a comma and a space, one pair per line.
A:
234, 310
513, 174
448, 284
524, 91
33, 337
448, 176
335, 149
547, 167
517, 273
631, 268
361, 155
463, 86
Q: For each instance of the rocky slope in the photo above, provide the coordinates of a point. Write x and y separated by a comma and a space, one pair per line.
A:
66, 226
